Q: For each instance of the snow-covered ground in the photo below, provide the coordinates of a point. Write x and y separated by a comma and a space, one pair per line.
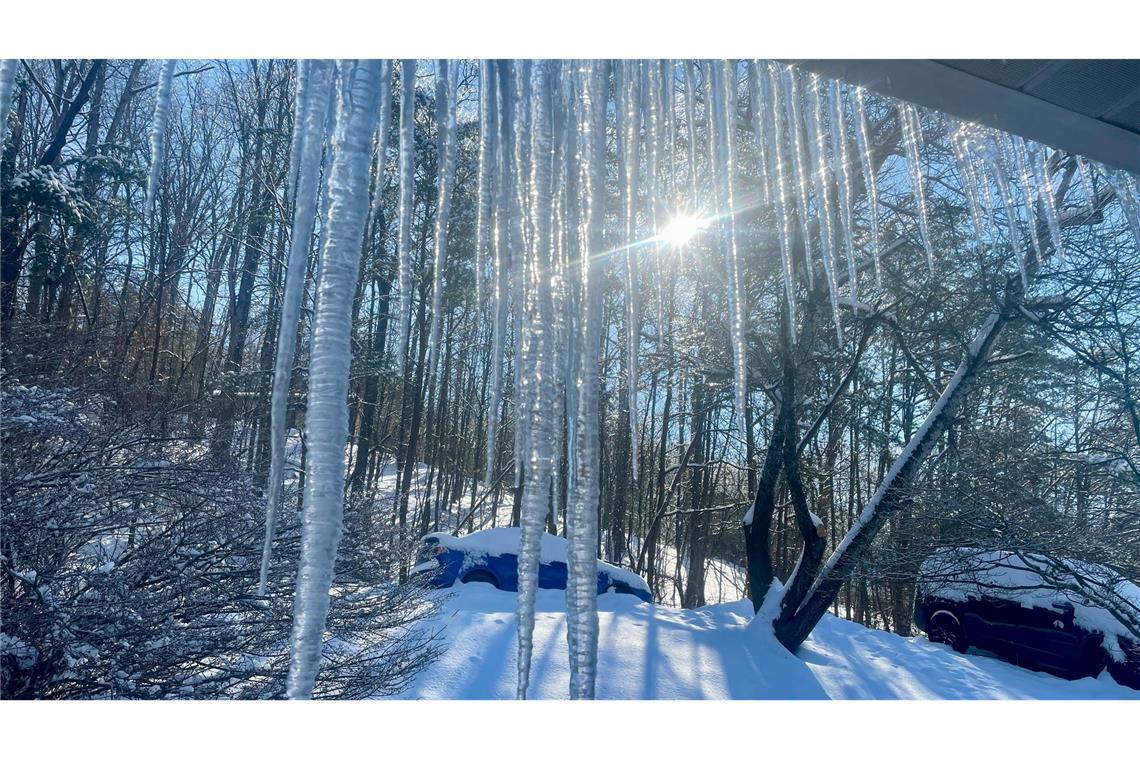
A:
653, 652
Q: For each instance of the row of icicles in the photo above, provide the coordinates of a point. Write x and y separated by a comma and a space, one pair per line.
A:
542, 243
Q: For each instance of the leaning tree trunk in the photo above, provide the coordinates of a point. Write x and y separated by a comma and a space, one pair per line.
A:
798, 617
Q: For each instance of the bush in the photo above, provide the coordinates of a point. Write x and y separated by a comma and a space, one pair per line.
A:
130, 563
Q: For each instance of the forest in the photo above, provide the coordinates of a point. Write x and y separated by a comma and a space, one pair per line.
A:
744, 330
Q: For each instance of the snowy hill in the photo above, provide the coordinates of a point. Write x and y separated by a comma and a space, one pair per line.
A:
652, 652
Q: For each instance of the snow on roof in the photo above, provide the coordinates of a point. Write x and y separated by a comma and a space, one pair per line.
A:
497, 542
1102, 599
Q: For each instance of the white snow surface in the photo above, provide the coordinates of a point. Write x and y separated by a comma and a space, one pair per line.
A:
647, 651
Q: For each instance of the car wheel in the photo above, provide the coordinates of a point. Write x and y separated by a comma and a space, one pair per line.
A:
480, 576
944, 628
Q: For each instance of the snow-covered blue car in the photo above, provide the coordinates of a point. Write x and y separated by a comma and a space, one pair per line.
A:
491, 556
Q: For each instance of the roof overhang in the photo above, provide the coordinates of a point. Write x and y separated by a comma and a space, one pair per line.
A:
1089, 107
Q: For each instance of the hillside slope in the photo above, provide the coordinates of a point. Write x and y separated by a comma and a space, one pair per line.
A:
652, 652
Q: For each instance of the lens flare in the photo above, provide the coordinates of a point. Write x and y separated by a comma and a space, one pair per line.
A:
682, 228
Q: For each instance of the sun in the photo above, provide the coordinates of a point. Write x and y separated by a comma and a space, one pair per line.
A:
682, 228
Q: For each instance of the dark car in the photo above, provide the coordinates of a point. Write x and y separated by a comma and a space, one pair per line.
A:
1035, 611
491, 556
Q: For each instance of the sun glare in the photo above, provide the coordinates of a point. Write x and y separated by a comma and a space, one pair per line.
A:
682, 229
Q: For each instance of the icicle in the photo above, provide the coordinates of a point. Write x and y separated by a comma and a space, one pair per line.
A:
501, 233
870, 184
782, 192
802, 189
672, 192
974, 148
998, 169
1044, 181
724, 103
691, 132
1015, 146
968, 177
314, 93
301, 92
325, 198
7, 87
382, 140
817, 149
843, 183
573, 301
582, 508
520, 245
445, 126
912, 142
652, 105
669, 110
157, 138
407, 187
538, 370
326, 417
757, 92
560, 285
630, 140
487, 127
1125, 195
1086, 181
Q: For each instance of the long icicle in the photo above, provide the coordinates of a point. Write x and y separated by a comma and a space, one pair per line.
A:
520, 245
582, 509
407, 188
968, 175
817, 149
1040, 163
998, 168
487, 127
630, 112
843, 184
326, 418
572, 279
783, 190
560, 287
157, 137
691, 134
382, 140
912, 142
724, 97
870, 182
296, 139
537, 358
445, 129
652, 105
761, 123
499, 243
314, 93
794, 101
1015, 146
